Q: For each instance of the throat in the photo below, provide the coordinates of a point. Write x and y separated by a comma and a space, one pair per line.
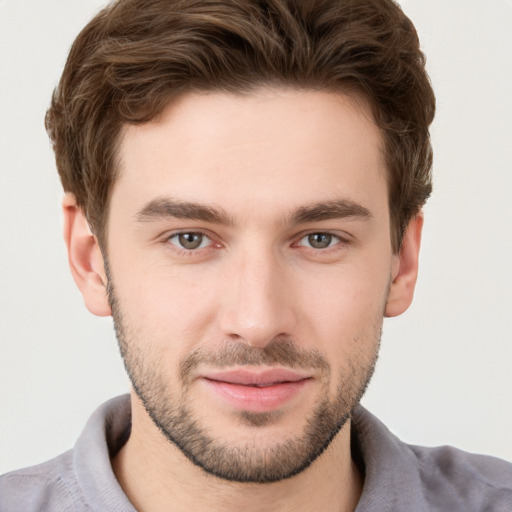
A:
153, 473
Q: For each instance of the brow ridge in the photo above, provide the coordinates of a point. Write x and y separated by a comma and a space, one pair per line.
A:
336, 209
162, 208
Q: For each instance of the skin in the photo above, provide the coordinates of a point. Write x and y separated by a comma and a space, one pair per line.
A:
259, 160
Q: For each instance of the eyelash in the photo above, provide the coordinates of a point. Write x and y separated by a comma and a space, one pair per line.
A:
332, 238
182, 251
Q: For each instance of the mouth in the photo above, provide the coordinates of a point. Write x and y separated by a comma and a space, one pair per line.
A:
256, 391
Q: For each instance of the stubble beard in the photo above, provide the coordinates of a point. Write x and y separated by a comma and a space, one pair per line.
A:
244, 462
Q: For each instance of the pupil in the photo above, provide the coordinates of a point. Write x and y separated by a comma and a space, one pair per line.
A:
190, 240
320, 240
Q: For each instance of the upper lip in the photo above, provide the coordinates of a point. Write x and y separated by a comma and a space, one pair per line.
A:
249, 377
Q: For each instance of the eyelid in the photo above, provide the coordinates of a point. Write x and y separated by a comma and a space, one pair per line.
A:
343, 239
181, 231
166, 240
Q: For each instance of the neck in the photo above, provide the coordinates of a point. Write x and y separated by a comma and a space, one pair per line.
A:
154, 473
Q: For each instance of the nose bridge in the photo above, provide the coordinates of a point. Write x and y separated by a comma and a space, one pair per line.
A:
257, 307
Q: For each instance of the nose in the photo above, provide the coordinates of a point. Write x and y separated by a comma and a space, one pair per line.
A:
258, 300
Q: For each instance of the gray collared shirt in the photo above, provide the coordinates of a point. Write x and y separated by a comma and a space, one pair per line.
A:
398, 477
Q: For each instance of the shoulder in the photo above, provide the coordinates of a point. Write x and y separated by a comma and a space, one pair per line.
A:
476, 482
403, 477
47, 486
79, 480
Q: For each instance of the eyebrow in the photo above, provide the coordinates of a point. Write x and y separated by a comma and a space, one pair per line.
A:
163, 208
337, 209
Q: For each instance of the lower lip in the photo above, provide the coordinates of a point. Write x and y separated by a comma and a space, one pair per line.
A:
257, 399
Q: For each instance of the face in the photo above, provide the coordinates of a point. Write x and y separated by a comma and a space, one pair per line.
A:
249, 263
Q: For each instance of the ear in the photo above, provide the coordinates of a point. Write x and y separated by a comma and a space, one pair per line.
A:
405, 269
85, 258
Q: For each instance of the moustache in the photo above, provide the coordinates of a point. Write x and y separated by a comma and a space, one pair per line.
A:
279, 352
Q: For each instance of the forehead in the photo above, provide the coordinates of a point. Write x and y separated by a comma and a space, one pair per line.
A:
272, 149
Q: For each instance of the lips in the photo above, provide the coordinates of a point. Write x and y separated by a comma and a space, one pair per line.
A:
256, 391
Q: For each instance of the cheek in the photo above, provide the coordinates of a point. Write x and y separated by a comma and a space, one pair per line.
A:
348, 289
165, 306
348, 308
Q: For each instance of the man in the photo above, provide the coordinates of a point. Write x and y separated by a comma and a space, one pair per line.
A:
244, 183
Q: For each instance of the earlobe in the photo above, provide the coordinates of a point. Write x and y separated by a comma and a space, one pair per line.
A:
85, 258
405, 271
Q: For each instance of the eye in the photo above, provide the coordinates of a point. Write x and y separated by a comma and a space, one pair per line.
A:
190, 241
319, 240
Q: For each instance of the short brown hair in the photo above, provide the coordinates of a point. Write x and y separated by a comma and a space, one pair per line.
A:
134, 56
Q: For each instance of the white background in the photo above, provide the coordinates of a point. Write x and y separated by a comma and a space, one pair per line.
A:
445, 374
